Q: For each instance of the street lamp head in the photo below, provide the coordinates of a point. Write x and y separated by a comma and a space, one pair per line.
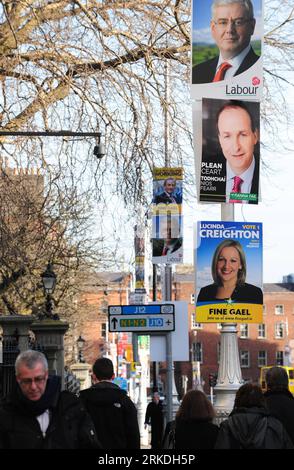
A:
49, 279
80, 342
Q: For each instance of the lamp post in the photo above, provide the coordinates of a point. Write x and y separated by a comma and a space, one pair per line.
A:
80, 342
49, 282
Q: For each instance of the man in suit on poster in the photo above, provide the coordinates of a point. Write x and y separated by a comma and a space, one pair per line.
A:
232, 26
169, 195
238, 136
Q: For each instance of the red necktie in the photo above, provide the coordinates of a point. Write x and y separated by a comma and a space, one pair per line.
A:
236, 188
220, 74
164, 251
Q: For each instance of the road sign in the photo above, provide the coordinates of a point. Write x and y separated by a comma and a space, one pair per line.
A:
142, 323
148, 309
180, 337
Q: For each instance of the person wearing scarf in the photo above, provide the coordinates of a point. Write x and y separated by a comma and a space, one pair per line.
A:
38, 415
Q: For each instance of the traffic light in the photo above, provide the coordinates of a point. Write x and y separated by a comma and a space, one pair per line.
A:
212, 380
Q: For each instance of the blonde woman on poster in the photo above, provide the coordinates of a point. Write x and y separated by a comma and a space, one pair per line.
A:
228, 270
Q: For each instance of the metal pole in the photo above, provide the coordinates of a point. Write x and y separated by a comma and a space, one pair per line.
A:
154, 298
229, 373
169, 353
170, 385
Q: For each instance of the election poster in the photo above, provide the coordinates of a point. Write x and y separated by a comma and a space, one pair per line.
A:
167, 190
139, 258
227, 43
229, 272
167, 220
230, 151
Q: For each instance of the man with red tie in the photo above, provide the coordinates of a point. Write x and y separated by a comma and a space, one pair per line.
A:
170, 236
238, 136
232, 26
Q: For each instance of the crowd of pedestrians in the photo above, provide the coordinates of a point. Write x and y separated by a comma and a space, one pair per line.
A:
257, 421
37, 414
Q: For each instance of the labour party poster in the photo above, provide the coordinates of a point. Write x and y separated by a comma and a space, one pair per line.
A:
226, 59
229, 272
167, 221
230, 151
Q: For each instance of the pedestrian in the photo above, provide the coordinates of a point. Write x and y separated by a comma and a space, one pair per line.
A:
194, 428
38, 415
154, 417
112, 411
278, 400
250, 425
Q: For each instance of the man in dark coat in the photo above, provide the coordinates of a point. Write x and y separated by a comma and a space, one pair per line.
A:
37, 415
279, 401
154, 416
112, 411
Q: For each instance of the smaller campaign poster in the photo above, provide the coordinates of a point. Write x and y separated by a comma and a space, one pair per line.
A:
140, 272
167, 239
227, 43
139, 257
167, 220
229, 272
167, 190
230, 151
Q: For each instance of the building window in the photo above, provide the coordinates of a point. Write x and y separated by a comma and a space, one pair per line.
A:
280, 358
194, 324
279, 310
192, 299
264, 309
262, 359
280, 330
244, 330
261, 330
197, 353
103, 330
244, 358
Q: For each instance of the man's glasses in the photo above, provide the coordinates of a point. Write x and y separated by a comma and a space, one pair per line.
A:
237, 23
37, 380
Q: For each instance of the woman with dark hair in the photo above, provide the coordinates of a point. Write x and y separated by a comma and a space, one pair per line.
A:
194, 427
250, 426
228, 269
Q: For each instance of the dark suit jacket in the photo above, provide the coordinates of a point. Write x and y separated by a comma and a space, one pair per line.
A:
158, 245
205, 72
220, 195
247, 293
166, 199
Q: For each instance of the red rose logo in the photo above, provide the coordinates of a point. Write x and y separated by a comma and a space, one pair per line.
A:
255, 81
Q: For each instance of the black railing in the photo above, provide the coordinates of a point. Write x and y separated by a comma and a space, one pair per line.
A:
10, 352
